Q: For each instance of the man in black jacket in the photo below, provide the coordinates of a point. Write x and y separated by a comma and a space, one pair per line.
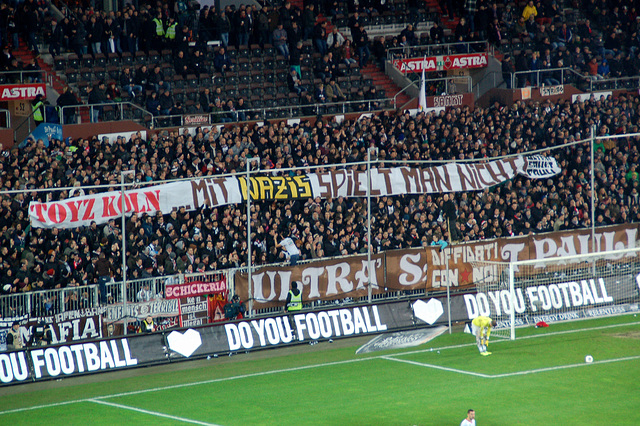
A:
66, 99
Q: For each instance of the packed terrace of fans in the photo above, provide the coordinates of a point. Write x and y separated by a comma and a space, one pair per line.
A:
215, 238
211, 239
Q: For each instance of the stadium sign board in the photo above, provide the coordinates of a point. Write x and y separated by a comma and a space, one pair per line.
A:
103, 355
442, 62
17, 92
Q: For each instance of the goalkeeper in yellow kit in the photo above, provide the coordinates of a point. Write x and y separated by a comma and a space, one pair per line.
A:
481, 328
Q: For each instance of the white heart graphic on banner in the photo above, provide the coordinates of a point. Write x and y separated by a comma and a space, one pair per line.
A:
184, 343
428, 312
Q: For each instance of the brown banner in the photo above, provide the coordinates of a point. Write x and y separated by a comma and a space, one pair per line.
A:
324, 280
427, 268
456, 260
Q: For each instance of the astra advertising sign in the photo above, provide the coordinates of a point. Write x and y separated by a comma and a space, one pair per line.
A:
442, 62
17, 92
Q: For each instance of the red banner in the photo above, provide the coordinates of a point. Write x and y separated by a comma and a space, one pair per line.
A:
17, 92
442, 62
194, 289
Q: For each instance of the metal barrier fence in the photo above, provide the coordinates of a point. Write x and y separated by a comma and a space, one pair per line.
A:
48, 302
51, 302
5, 120
110, 111
422, 50
25, 76
290, 111
116, 111
567, 75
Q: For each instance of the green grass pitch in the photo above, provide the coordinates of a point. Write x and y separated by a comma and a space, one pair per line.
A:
539, 379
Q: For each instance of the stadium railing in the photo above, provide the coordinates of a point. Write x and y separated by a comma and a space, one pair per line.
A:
291, 111
5, 121
49, 302
110, 111
25, 76
438, 49
583, 82
129, 111
55, 301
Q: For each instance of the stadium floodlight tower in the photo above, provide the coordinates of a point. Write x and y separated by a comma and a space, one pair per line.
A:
123, 210
249, 161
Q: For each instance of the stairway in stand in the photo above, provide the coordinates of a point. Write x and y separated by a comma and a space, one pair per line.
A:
434, 6
24, 55
383, 82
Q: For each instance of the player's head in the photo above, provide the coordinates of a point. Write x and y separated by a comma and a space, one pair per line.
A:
471, 414
494, 323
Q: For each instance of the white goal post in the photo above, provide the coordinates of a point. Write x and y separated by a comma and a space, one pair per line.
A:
558, 289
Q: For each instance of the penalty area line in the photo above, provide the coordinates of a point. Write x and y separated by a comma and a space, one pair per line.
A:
438, 367
151, 413
515, 373
563, 367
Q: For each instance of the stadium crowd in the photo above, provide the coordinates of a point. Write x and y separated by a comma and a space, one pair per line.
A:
599, 40
215, 238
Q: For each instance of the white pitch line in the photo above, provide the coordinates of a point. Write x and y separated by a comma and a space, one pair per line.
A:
562, 367
515, 373
185, 385
437, 367
151, 413
204, 382
224, 379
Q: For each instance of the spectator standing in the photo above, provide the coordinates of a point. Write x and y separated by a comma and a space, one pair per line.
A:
224, 27
361, 41
97, 96
38, 108
94, 35
52, 35
507, 71
308, 20
64, 102
290, 248
263, 26
320, 37
104, 270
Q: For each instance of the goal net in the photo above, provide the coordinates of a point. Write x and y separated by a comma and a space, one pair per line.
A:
568, 288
